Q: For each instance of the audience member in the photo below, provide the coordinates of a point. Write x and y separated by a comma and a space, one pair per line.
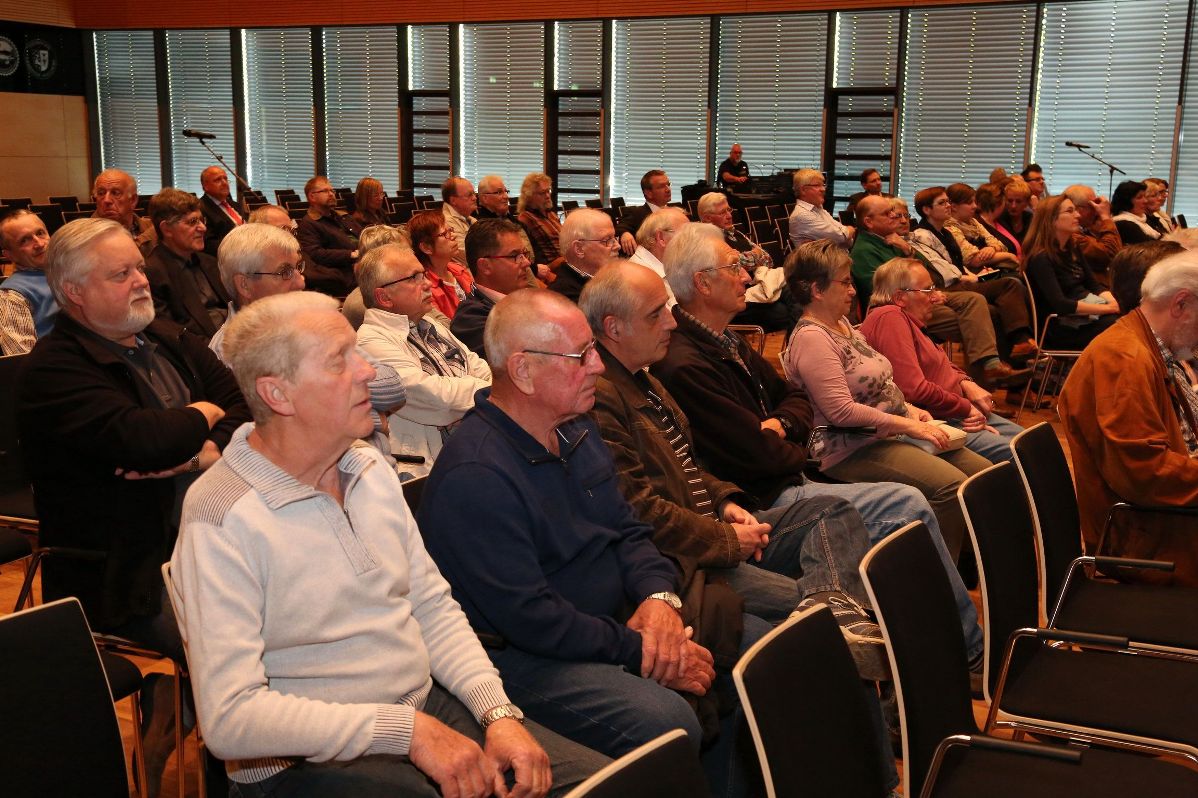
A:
115, 195
990, 202
493, 200
500, 265
871, 186
1061, 279
655, 185
1130, 265
369, 201
438, 372
852, 386
1129, 207
328, 238
1186, 236
1097, 238
118, 414
1015, 217
588, 241
539, 220
1033, 175
768, 302
900, 309
652, 239
440, 251
184, 279
343, 700
734, 172
1157, 196
588, 608
353, 309
220, 216
27, 306
1129, 414
458, 205
979, 247
749, 426
810, 221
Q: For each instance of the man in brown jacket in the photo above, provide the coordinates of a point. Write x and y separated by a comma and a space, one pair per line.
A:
1098, 240
1129, 415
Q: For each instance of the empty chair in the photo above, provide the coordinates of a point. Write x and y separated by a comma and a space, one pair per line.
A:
569, 205
16, 202
70, 216
764, 231
756, 213
773, 212
60, 734
617, 202
942, 753
806, 708
666, 766
594, 203
783, 226
68, 202
424, 201
284, 194
51, 216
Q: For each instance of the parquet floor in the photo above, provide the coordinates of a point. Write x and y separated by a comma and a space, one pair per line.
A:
10, 581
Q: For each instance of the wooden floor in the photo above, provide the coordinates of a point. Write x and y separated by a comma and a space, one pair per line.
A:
11, 575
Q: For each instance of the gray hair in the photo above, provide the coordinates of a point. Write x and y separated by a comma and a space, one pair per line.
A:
611, 293
372, 270
69, 256
258, 215
657, 222
892, 277
1174, 273
488, 182
708, 202
690, 251
379, 234
522, 320
1186, 236
263, 340
244, 251
580, 223
805, 177
1079, 195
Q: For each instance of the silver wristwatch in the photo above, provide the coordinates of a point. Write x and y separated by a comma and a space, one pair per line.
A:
669, 598
502, 711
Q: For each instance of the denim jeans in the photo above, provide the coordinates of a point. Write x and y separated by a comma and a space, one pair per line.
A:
995, 448
383, 775
886, 507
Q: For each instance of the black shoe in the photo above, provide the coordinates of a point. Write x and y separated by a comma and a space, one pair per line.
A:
862, 635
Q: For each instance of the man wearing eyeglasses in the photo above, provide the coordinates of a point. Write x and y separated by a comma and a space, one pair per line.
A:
548, 555
588, 241
810, 221
184, 279
322, 279
497, 257
328, 238
493, 199
440, 374
458, 204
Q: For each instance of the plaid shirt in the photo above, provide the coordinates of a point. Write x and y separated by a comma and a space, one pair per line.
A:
544, 229
1186, 393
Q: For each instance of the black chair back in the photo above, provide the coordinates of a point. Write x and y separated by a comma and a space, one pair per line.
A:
1045, 473
806, 706
68, 202
665, 766
594, 203
16, 496
60, 734
1000, 526
617, 202
16, 202
914, 603
413, 492
51, 216
569, 205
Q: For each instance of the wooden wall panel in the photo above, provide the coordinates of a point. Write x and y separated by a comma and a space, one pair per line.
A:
43, 146
40, 12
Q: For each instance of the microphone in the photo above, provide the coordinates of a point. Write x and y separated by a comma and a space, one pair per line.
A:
198, 134
1077, 144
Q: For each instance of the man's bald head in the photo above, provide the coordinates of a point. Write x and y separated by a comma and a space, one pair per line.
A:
526, 319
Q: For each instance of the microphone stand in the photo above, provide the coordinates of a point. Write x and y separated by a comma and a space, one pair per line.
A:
241, 184
1111, 168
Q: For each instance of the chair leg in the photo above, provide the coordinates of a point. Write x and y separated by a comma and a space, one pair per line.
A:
26, 593
139, 754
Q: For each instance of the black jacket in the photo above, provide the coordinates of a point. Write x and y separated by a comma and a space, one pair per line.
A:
82, 414
175, 294
217, 222
470, 319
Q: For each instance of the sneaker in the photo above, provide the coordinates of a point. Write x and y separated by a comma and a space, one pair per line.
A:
977, 676
862, 635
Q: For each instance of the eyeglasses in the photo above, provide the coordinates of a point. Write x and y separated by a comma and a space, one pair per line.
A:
581, 357
445, 233
321, 191
734, 267
846, 282
607, 242
918, 290
516, 257
285, 273
496, 191
413, 276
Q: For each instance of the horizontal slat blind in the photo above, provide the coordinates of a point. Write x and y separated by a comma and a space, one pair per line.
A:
1108, 77
965, 101
201, 92
866, 49
278, 92
503, 100
428, 57
579, 62
771, 93
128, 106
361, 105
658, 102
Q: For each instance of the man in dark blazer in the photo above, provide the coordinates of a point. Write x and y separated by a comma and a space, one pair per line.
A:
220, 215
655, 185
184, 279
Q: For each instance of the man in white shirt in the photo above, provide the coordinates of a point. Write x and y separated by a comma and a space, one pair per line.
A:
810, 221
459, 202
657, 231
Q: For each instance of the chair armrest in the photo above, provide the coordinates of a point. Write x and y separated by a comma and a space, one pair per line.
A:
1123, 507
1058, 752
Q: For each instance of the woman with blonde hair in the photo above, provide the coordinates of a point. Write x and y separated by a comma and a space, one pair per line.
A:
369, 203
1015, 217
979, 248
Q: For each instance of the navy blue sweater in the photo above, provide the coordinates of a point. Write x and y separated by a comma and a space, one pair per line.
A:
540, 549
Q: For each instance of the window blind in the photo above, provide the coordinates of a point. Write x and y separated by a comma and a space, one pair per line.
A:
201, 96
658, 102
578, 61
771, 92
280, 136
428, 57
1108, 77
503, 100
361, 105
428, 71
866, 49
128, 106
1183, 193
965, 96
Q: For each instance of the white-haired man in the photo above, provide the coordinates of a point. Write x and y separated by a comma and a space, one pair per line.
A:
652, 238
384, 688
440, 374
27, 306
588, 241
810, 221
1131, 417
493, 199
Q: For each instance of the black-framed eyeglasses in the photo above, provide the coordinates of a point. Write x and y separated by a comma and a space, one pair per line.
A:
515, 257
285, 273
607, 242
413, 276
581, 357
918, 290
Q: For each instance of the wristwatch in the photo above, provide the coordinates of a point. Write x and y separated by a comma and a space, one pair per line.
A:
193, 464
669, 598
502, 711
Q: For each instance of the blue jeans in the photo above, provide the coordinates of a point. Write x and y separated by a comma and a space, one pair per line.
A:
995, 448
886, 507
384, 775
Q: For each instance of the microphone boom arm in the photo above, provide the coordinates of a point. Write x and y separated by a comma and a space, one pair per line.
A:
241, 183
1111, 168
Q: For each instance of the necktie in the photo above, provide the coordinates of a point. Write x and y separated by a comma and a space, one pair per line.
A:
234, 215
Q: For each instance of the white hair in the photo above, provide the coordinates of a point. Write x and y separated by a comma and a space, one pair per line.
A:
69, 256
689, 252
1174, 273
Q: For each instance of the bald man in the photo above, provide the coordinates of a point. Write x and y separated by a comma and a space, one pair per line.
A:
220, 214
588, 241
